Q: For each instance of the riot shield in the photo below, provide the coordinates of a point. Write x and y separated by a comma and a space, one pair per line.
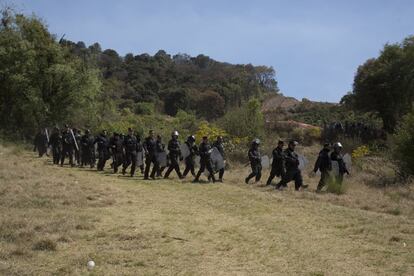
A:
265, 162
185, 151
197, 161
161, 158
140, 158
302, 162
216, 160
335, 168
348, 161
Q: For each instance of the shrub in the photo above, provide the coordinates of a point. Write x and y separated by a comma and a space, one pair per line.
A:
206, 129
144, 108
403, 150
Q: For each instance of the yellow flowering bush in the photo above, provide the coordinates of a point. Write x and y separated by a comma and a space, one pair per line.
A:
205, 129
360, 151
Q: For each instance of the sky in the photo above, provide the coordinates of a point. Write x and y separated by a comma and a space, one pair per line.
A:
315, 46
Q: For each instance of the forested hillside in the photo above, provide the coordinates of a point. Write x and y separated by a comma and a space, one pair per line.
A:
46, 81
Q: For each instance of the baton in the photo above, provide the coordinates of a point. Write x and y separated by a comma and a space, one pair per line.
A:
74, 139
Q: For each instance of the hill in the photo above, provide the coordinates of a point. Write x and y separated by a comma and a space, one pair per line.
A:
53, 220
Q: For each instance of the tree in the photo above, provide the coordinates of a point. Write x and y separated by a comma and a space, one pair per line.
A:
385, 84
403, 150
210, 105
41, 83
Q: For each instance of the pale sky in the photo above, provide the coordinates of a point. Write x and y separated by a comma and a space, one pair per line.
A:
315, 46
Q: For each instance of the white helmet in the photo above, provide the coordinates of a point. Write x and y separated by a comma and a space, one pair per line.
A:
338, 145
256, 141
175, 133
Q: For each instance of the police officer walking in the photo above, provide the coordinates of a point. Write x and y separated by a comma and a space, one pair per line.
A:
67, 146
278, 166
87, 149
174, 155
130, 145
117, 149
337, 156
189, 160
218, 144
149, 149
205, 160
41, 143
103, 150
324, 165
292, 168
56, 142
255, 161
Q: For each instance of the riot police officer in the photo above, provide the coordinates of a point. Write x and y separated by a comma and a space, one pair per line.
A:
87, 149
189, 160
292, 168
255, 161
130, 145
205, 160
103, 150
68, 143
174, 155
278, 166
324, 165
55, 142
149, 149
337, 156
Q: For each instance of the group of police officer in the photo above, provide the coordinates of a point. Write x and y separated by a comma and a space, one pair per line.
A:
286, 163
129, 150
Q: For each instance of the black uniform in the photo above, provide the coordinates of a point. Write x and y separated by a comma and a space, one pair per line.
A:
278, 166
174, 156
220, 147
131, 146
205, 161
324, 165
336, 156
40, 144
255, 163
55, 142
117, 150
157, 169
149, 148
103, 150
292, 170
189, 160
87, 150
67, 147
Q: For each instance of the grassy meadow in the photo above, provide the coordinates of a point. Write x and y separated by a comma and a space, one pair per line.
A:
54, 220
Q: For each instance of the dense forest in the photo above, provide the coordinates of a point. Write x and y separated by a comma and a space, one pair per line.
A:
48, 81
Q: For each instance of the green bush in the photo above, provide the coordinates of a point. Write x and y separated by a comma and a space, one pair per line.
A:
144, 108
403, 150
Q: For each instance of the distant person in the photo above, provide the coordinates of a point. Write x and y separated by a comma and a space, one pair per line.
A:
102, 142
87, 149
68, 143
77, 150
55, 141
292, 168
278, 166
324, 165
255, 161
205, 160
130, 144
218, 144
41, 143
159, 150
117, 149
149, 150
189, 160
337, 156
175, 156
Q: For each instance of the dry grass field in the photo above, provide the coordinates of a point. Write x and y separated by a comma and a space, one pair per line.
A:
53, 220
